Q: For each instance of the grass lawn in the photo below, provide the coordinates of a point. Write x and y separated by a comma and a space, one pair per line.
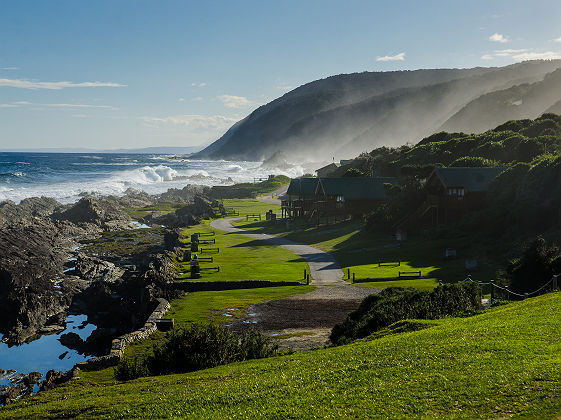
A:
504, 362
241, 258
249, 206
360, 252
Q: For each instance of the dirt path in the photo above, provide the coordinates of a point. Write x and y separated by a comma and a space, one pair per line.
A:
324, 269
302, 321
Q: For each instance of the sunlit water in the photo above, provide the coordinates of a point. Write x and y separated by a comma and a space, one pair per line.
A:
44, 353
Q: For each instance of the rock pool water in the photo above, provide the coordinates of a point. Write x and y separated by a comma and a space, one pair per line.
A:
42, 354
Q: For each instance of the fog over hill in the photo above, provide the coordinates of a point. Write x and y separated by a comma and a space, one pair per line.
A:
344, 115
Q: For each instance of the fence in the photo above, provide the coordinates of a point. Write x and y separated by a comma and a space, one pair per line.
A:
495, 287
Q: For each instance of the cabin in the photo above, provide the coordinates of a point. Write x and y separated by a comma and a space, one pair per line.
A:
455, 191
350, 196
300, 197
327, 170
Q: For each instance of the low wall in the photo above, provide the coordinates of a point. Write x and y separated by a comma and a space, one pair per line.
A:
204, 286
118, 344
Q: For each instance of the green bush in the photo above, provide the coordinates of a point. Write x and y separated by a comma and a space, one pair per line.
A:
538, 263
395, 304
198, 346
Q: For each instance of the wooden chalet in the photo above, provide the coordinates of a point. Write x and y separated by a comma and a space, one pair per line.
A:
350, 196
455, 191
300, 197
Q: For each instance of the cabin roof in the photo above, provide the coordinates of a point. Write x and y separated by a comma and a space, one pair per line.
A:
302, 186
355, 188
471, 179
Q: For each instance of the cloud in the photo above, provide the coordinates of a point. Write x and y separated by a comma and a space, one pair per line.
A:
194, 84
522, 54
195, 123
198, 98
509, 52
496, 37
548, 55
397, 57
231, 101
9, 68
26, 103
34, 85
181, 99
557, 39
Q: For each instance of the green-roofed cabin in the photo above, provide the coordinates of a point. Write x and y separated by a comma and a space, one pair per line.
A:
300, 197
454, 191
350, 196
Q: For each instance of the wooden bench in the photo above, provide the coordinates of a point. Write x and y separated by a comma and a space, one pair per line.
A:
410, 274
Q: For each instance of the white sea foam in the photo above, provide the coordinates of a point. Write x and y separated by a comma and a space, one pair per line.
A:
153, 179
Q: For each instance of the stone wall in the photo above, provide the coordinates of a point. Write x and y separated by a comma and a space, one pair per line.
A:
118, 345
204, 286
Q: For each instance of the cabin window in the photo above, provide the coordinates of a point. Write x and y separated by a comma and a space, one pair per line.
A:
340, 199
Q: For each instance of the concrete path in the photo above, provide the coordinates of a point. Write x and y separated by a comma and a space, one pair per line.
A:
323, 267
271, 197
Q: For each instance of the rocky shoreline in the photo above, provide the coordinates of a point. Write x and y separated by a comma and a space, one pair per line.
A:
87, 258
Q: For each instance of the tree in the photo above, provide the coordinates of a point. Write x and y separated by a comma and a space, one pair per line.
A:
534, 268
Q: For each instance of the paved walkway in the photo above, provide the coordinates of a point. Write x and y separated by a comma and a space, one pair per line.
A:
324, 269
271, 197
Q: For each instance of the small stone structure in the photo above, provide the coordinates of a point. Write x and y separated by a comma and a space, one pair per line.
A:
118, 344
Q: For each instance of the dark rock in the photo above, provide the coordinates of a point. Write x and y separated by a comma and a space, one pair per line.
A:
71, 340
54, 378
95, 269
185, 195
63, 355
102, 213
32, 378
32, 257
28, 208
13, 393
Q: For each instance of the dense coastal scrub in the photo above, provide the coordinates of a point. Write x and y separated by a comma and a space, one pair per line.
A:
195, 347
395, 304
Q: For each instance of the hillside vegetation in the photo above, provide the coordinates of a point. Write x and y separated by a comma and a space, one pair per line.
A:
346, 114
504, 362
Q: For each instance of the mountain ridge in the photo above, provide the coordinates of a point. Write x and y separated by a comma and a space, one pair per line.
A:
344, 115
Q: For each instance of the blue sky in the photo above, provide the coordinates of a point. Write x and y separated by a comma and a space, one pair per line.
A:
124, 74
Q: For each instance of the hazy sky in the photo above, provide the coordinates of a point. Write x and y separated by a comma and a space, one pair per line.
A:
111, 74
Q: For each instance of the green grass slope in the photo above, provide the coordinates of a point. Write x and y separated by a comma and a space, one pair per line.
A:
501, 363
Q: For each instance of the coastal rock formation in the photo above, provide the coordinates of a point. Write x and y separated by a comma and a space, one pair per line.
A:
32, 256
99, 212
28, 208
95, 269
202, 208
184, 195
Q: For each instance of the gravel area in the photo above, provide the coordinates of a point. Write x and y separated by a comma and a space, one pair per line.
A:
304, 321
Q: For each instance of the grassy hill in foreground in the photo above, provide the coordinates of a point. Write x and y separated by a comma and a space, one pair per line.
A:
506, 361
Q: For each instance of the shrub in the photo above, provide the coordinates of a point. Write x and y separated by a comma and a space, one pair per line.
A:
198, 346
539, 261
395, 304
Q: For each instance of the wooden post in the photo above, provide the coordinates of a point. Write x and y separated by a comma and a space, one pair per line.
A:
492, 292
353, 277
307, 279
554, 286
349, 273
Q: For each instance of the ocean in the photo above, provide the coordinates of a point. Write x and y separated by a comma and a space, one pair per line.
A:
68, 176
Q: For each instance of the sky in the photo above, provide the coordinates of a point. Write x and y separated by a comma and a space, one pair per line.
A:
135, 73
